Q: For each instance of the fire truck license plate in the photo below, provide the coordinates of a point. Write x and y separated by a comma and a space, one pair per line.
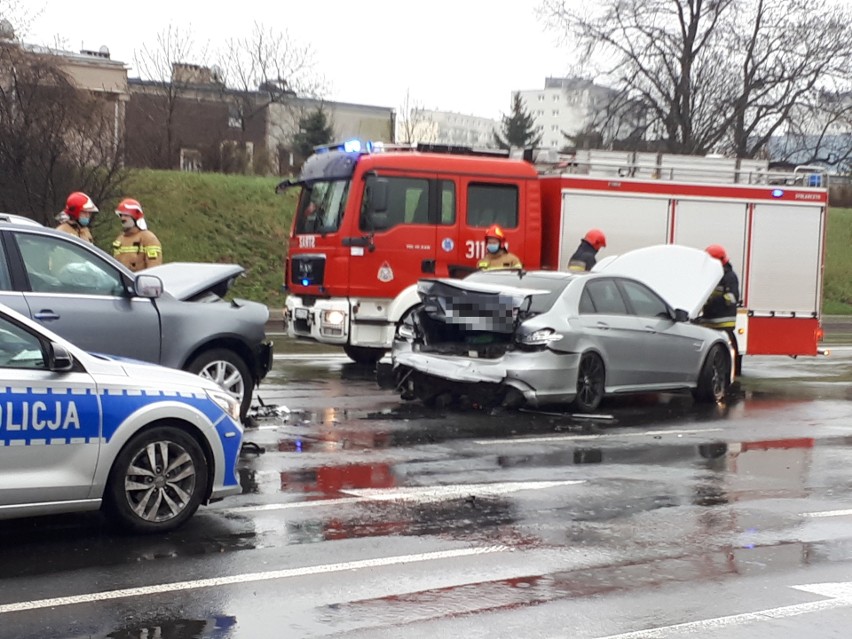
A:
301, 313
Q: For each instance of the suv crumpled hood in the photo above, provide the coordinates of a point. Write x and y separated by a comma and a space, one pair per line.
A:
472, 305
186, 280
682, 275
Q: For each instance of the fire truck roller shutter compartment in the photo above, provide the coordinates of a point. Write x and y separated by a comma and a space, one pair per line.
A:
629, 222
699, 223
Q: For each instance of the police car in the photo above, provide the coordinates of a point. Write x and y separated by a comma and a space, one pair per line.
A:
80, 431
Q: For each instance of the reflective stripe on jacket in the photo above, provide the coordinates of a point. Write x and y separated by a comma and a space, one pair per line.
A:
138, 250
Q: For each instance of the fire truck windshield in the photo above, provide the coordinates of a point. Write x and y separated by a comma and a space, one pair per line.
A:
321, 206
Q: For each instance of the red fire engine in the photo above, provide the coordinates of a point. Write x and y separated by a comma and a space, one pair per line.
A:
370, 222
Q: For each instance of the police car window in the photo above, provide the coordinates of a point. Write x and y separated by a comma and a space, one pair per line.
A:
18, 348
448, 202
606, 297
644, 301
54, 265
489, 204
408, 203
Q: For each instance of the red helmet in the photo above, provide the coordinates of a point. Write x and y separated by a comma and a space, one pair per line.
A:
131, 207
495, 231
596, 238
718, 251
77, 203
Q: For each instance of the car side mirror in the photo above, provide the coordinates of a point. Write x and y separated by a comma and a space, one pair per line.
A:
59, 359
681, 315
378, 195
149, 286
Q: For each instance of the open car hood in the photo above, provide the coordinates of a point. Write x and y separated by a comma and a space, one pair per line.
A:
682, 275
188, 280
473, 305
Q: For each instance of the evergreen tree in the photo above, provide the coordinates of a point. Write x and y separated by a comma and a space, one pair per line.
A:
519, 128
314, 130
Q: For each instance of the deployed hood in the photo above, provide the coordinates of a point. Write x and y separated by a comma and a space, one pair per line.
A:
473, 305
682, 275
187, 280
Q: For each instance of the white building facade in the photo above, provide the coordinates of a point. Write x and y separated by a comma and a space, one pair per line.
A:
447, 127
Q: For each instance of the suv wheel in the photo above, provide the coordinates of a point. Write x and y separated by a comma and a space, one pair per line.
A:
229, 371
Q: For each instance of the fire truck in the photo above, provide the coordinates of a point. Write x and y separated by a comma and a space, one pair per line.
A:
371, 220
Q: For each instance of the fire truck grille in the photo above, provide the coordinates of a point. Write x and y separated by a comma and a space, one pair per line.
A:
307, 270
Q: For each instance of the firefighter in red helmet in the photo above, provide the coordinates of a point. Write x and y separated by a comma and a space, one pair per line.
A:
584, 257
720, 311
77, 215
136, 247
496, 254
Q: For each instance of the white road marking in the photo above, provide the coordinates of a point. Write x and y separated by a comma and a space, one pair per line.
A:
309, 357
568, 438
418, 494
143, 591
829, 513
838, 595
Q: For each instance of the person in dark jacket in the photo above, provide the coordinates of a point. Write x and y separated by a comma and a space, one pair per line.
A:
720, 311
584, 257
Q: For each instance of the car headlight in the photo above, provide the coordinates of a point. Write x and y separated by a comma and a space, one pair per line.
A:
540, 337
227, 403
335, 318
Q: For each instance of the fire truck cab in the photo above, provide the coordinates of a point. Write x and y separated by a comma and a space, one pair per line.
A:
371, 221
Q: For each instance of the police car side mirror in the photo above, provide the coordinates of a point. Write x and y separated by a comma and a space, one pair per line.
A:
149, 286
58, 358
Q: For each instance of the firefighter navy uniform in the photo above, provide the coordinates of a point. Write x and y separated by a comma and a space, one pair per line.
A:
584, 258
138, 249
720, 311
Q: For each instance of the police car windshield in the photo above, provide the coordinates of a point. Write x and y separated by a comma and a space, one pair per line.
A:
321, 206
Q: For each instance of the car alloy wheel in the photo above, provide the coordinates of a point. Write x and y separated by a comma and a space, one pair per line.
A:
714, 378
157, 481
590, 383
228, 371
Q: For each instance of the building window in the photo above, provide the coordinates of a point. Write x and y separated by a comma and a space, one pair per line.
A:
541, 97
556, 112
234, 119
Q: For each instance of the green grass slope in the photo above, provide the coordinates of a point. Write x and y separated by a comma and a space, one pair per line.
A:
837, 289
209, 217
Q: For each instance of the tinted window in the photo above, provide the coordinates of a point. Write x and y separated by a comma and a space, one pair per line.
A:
606, 297
408, 203
54, 265
5, 282
643, 300
489, 204
19, 348
586, 304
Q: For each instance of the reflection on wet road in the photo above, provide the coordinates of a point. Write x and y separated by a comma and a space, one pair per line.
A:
364, 516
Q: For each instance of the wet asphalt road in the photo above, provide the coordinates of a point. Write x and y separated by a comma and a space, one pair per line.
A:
362, 516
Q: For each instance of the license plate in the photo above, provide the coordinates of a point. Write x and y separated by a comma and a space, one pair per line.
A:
301, 313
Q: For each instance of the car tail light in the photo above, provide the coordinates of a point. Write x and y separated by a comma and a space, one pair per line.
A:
540, 337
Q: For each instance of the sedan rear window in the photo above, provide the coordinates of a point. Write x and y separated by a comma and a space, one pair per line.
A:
605, 297
541, 302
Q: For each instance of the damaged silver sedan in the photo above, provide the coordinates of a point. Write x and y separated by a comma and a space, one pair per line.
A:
544, 337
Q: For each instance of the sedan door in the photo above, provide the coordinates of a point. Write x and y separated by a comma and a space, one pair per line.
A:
671, 354
76, 291
607, 322
50, 423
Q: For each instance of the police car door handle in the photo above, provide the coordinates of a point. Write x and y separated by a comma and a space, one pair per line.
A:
45, 315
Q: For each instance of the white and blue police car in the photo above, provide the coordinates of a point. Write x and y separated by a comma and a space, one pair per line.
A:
80, 431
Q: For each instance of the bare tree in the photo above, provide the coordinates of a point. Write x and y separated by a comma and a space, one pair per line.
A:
711, 74
54, 137
159, 67
413, 121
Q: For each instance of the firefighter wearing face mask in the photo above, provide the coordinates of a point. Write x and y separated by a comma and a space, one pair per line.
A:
136, 247
77, 215
496, 255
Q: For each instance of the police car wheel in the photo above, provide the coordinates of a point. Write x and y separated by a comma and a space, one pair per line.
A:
229, 371
157, 481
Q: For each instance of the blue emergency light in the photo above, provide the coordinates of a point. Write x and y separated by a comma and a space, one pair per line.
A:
778, 193
305, 282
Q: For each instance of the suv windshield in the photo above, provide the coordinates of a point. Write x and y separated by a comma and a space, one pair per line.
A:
321, 206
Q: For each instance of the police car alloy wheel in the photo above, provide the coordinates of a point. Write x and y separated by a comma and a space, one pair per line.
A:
158, 480
229, 371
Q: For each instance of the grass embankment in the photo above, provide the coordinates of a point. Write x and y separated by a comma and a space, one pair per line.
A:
209, 217
838, 263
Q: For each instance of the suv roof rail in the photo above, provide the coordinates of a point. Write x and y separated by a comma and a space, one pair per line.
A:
18, 219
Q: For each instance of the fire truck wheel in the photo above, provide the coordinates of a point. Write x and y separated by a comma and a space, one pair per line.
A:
714, 378
364, 354
591, 378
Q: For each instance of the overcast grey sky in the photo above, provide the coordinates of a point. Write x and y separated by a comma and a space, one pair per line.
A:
455, 55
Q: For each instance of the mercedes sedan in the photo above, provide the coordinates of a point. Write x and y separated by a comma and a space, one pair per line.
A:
543, 337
